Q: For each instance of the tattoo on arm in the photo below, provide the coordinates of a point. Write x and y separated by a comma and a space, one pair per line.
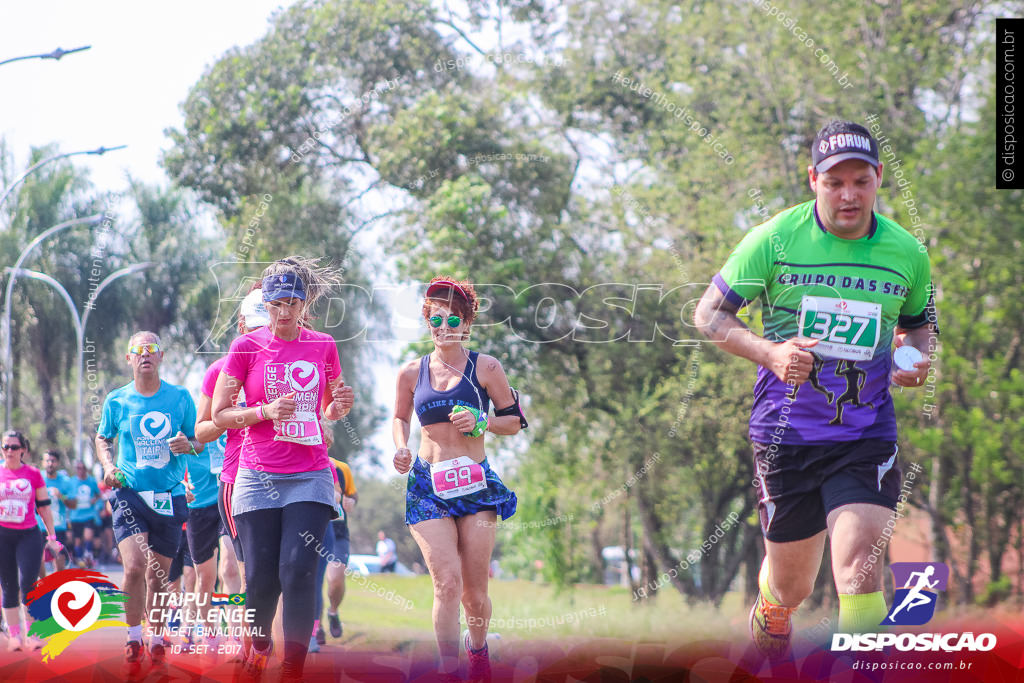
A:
719, 320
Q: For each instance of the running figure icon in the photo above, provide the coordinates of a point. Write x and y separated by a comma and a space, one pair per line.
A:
915, 597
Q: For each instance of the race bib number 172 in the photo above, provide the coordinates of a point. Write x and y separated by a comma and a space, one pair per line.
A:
847, 329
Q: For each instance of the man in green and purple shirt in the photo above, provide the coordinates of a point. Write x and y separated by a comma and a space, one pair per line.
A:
839, 285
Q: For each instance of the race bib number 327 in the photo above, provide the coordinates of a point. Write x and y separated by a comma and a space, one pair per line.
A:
847, 329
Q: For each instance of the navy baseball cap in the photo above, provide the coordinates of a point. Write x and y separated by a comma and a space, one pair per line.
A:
283, 286
838, 142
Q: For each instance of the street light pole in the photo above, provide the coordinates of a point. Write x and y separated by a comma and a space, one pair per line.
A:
127, 270
80, 323
8, 361
78, 334
99, 151
55, 55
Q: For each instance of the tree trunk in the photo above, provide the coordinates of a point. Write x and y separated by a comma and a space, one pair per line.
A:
648, 570
1000, 522
15, 387
735, 561
661, 553
971, 568
1020, 561
596, 558
44, 367
939, 542
752, 559
627, 545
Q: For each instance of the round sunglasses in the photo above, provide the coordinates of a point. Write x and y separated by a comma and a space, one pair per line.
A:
453, 321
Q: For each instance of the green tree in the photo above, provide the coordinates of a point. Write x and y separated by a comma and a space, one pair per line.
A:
591, 190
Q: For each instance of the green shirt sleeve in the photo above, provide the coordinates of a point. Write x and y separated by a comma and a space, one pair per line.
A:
746, 272
918, 307
920, 289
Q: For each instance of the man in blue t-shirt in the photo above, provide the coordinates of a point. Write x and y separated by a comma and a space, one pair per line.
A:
62, 492
85, 493
154, 424
204, 527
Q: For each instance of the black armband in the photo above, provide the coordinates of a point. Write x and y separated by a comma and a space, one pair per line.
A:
43, 503
928, 316
513, 409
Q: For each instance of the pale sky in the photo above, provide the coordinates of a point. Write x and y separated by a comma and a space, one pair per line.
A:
126, 89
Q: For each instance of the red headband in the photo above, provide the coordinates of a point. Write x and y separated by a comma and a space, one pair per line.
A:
441, 284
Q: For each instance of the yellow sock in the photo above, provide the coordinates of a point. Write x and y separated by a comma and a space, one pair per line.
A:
762, 583
861, 613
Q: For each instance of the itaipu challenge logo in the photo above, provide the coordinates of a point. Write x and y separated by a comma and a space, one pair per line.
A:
71, 602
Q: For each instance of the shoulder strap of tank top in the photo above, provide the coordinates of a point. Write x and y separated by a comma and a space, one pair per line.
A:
422, 380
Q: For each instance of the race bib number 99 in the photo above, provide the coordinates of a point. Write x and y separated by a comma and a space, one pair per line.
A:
847, 329
457, 477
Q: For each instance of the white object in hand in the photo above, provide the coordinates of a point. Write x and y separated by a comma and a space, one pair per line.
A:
905, 357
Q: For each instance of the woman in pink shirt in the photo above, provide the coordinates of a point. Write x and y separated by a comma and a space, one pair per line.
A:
22, 492
284, 488
252, 315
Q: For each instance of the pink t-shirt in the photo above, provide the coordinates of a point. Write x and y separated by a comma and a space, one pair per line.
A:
269, 368
235, 436
18, 496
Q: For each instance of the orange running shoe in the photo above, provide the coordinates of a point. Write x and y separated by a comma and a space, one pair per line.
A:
771, 627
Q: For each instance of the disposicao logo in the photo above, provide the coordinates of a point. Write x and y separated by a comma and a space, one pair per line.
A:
71, 602
913, 605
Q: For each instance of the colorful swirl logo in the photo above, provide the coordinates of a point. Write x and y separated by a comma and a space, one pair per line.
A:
71, 602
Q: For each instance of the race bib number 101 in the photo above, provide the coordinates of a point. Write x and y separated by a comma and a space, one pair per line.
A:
303, 427
847, 329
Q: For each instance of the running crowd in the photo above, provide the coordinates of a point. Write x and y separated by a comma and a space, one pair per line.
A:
236, 487
839, 284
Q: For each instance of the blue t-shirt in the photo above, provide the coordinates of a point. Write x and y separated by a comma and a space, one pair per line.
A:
204, 473
61, 485
143, 425
83, 491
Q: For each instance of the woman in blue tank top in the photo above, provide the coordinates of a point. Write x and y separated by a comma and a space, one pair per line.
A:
454, 497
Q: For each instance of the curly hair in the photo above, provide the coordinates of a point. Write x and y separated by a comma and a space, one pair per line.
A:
460, 298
